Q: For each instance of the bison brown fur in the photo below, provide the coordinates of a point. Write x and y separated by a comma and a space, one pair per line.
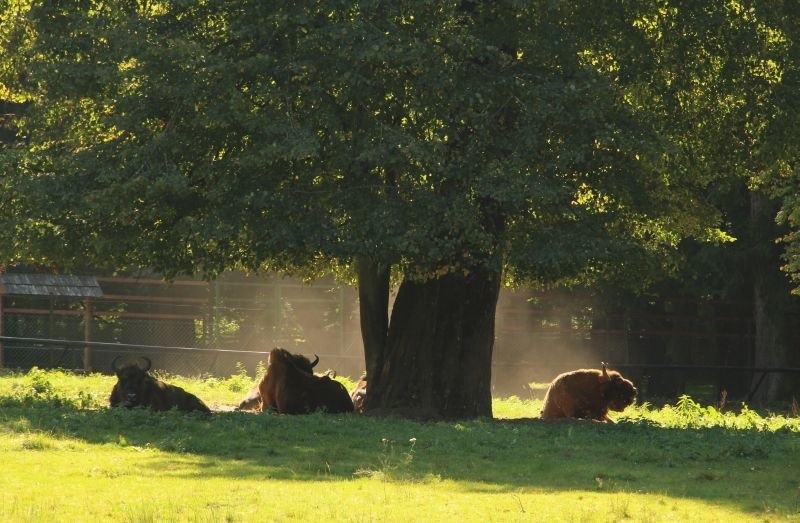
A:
252, 400
290, 387
359, 394
587, 394
135, 387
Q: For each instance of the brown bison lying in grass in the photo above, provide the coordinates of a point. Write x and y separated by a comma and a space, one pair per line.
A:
252, 400
587, 394
359, 394
290, 388
136, 388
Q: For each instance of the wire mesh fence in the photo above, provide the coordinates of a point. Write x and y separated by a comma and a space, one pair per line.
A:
195, 328
217, 326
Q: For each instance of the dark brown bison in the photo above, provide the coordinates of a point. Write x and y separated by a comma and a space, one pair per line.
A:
289, 387
135, 387
359, 394
587, 394
252, 401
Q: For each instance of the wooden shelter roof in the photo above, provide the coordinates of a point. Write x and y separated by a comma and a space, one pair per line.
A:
50, 285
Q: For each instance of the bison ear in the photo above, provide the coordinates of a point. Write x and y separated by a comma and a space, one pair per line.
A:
147, 362
605, 370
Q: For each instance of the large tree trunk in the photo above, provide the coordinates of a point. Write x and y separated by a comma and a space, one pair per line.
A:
771, 301
770, 349
373, 302
436, 361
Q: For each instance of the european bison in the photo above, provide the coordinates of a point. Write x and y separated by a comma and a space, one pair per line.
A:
587, 394
136, 388
290, 387
359, 394
252, 400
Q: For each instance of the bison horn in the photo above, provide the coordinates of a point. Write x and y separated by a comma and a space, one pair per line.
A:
313, 363
147, 362
605, 369
114, 363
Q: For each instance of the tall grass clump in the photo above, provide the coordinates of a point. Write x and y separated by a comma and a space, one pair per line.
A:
687, 413
46, 388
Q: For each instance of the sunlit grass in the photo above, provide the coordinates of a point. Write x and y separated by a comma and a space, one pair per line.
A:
67, 457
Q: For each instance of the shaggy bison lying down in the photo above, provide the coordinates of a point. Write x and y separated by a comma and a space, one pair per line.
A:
290, 387
136, 388
252, 400
587, 394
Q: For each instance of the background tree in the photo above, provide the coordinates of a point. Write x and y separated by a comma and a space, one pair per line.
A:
451, 146
717, 88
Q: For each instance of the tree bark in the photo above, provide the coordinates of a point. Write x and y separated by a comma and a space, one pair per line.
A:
771, 301
769, 349
373, 302
436, 361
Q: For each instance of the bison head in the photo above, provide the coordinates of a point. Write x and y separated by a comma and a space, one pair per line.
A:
296, 360
619, 392
132, 379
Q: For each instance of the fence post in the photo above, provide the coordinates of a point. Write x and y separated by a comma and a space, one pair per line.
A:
88, 314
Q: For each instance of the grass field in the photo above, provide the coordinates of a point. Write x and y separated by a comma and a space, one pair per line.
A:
67, 457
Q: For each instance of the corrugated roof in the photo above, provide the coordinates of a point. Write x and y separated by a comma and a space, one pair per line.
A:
50, 285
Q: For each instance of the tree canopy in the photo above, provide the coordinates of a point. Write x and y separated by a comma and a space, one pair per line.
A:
195, 136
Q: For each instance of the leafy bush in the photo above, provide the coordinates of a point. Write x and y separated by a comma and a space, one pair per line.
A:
239, 382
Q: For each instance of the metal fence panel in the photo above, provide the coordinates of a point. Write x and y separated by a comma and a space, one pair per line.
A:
538, 335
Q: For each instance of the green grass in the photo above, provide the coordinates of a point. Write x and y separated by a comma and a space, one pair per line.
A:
66, 457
